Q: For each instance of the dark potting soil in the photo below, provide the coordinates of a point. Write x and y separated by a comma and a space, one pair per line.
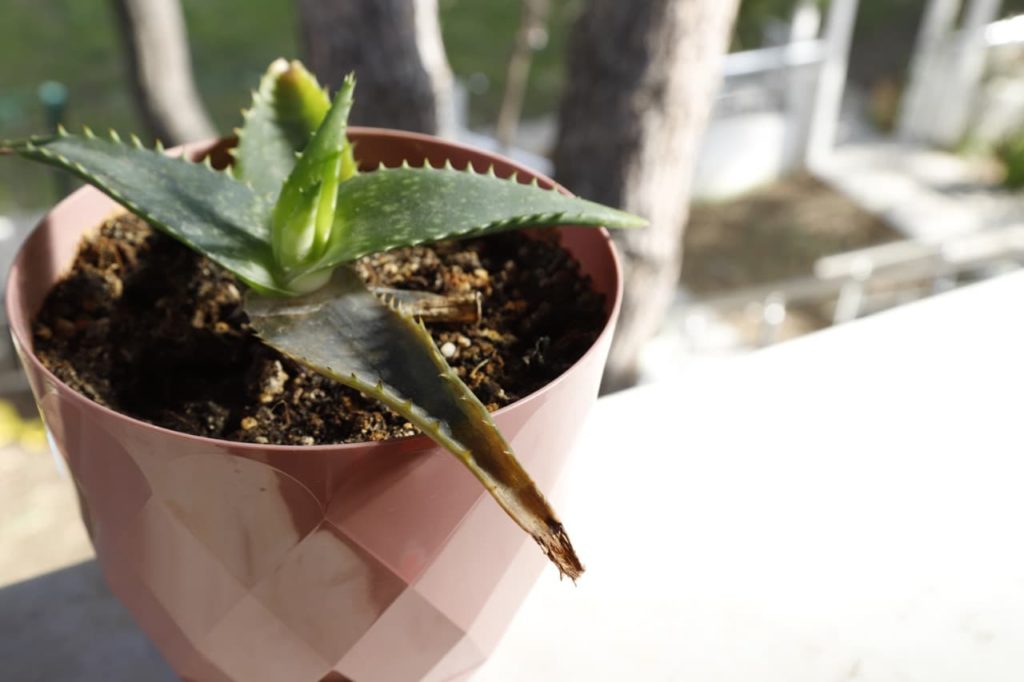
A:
147, 327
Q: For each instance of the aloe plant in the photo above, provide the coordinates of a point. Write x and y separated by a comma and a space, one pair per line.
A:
290, 216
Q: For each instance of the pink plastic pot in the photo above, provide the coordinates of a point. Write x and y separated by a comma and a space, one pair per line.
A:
371, 562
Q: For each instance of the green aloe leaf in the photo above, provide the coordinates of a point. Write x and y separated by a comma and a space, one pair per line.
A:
207, 210
395, 207
343, 331
286, 110
304, 213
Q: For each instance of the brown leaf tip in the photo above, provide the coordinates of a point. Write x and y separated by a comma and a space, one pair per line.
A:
558, 548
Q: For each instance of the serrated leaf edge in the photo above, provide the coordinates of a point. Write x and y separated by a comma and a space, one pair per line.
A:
551, 535
37, 145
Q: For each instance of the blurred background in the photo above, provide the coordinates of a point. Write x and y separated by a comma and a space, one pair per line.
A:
804, 162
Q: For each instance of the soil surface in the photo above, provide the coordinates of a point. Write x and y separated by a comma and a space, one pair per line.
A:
149, 328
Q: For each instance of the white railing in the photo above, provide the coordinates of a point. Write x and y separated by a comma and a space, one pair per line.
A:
795, 54
877, 277
949, 65
1005, 32
813, 65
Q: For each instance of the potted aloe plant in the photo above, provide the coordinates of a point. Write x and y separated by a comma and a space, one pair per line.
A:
261, 561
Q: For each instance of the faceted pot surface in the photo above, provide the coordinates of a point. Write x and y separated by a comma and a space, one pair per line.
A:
378, 562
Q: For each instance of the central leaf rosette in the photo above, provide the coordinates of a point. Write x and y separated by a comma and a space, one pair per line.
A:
326, 213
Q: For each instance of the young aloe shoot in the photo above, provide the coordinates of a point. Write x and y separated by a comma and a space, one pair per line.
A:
289, 218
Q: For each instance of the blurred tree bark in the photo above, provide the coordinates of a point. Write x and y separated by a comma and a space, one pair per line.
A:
156, 45
642, 76
396, 50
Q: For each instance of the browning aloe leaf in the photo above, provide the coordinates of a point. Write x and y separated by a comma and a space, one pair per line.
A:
466, 307
206, 209
344, 332
286, 110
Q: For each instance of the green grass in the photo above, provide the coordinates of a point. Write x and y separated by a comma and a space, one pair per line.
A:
76, 43
479, 35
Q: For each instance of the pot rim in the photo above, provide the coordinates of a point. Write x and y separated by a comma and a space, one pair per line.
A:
20, 324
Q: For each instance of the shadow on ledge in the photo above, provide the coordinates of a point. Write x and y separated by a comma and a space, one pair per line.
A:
66, 625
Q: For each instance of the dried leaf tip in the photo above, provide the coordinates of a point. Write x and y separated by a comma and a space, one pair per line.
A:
558, 548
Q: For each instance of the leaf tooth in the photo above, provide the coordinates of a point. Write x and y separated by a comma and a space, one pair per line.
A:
208, 163
490, 171
61, 130
159, 145
379, 386
89, 134
136, 142
114, 137
534, 183
448, 165
239, 134
405, 164
380, 166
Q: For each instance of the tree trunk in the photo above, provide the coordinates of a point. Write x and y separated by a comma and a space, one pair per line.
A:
161, 69
396, 51
642, 76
